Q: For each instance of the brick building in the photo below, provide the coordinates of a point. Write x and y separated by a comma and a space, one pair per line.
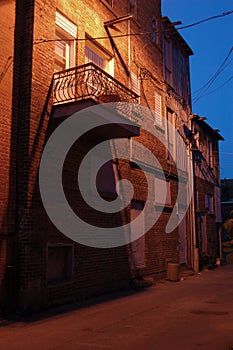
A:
207, 186
62, 57
227, 219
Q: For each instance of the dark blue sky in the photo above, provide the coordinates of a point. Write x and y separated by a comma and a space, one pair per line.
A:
211, 42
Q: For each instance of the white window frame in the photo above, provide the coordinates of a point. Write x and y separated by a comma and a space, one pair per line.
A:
67, 30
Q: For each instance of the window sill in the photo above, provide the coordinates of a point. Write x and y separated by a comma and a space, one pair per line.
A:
159, 128
166, 207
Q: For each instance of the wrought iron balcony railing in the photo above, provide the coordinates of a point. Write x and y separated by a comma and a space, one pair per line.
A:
87, 81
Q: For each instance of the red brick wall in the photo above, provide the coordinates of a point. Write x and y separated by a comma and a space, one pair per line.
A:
8, 133
95, 270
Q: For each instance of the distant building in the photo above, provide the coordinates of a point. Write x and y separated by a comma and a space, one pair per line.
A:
227, 219
208, 218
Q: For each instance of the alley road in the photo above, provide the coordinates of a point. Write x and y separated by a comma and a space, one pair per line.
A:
195, 313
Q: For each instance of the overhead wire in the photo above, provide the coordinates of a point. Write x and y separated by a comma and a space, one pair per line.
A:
217, 88
41, 41
203, 89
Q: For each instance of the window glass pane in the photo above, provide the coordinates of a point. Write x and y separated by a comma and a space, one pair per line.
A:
60, 48
132, 6
62, 52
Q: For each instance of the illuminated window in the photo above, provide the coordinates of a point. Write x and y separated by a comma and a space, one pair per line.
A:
94, 53
65, 35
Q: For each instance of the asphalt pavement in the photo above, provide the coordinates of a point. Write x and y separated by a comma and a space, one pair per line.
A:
194, 313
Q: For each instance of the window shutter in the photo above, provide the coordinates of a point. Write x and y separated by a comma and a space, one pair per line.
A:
135, 83
158, 110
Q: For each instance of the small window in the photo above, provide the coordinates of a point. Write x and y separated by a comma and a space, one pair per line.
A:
162, 192
59, 264
154, 30
132, 7
158, 110
209, 152
209, 202
196, 138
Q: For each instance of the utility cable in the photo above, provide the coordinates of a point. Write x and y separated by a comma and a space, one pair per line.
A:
217, 88
202, 90
41, 41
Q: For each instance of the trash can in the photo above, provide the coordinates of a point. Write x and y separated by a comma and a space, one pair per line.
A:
173, 272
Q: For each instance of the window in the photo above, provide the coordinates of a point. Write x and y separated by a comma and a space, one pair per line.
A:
209, 202
59, 264
104, 181
162, 191
168, 60
94, 53
209, 152
171, 136
154, 28
197, 138
158, 110
65, 35
132, 7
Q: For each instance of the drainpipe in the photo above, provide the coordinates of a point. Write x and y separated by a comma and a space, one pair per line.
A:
194, 249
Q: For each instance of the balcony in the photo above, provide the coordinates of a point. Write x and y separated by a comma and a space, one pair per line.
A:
81, 87
89, 81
